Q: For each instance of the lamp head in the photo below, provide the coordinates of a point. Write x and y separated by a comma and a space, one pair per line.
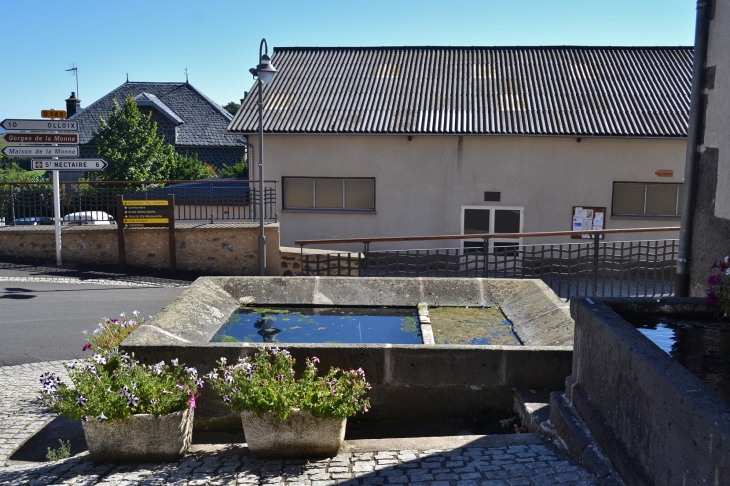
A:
265, 70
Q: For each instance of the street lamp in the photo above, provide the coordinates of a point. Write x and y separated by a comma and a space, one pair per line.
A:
265, 72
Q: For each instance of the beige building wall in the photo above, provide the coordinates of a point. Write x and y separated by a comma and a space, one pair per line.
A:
422, 184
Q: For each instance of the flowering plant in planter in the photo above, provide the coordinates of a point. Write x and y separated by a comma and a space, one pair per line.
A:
719, 285
114, 386
266, 382
110, 332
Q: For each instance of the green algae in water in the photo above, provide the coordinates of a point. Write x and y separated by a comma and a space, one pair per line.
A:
408, 324
472, 325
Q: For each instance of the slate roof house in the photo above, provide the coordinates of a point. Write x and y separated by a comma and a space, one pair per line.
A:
188, 119
407, 141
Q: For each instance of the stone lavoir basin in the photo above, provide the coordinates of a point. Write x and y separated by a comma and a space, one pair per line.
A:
440, 374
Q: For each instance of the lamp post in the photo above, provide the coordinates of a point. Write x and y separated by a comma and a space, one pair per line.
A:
265, 72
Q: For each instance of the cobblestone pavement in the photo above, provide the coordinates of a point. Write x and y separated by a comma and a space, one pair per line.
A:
524, 459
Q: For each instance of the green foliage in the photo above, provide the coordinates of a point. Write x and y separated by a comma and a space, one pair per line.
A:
63, 452
110, 333
237, 170
232, 107
129, 142
114, 386
266, 383
189, 168
10, 170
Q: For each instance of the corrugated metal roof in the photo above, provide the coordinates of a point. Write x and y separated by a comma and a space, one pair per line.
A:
575, 91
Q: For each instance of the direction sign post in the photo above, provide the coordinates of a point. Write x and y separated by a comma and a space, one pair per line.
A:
60, 125
56, 138
77, 165
26, 151
53, 113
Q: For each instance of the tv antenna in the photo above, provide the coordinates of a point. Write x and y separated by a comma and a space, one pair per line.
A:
186, 75
75, 73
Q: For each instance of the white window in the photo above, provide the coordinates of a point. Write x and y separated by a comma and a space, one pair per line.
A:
329, 193
491, 219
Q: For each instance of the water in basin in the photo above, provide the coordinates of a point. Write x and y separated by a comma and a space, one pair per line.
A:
700, 344
377, 325
472, 325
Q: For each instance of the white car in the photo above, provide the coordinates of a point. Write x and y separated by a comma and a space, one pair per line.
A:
89, 217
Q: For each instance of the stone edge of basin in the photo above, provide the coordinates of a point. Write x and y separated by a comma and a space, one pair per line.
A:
540, 318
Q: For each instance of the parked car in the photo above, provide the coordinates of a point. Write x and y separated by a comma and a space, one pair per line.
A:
89, 217
34, 221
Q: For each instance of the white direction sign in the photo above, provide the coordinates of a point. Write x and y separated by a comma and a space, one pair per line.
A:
39, 151
69, 164
62, 125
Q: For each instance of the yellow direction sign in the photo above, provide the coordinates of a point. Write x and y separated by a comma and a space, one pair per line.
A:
146, 213
53, 113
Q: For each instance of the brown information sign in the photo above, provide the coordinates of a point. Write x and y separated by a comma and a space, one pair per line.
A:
53, 113
72, 138
664, 173
146, 213
140, 214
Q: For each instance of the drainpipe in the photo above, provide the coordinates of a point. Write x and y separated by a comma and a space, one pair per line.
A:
684, 252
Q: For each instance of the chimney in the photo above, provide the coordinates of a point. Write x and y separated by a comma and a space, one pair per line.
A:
73, 105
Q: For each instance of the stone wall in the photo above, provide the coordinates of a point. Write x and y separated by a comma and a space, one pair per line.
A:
318, 262
711, 217
214, 249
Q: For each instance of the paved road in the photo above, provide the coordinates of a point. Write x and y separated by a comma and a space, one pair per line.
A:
44, 309
45, 321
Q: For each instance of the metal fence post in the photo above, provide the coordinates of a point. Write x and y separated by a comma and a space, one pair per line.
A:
366, 251
486, 256
596, 239
11, 215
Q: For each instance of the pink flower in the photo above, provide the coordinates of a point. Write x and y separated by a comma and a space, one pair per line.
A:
86, 346
714, 280
712, 299
191, 402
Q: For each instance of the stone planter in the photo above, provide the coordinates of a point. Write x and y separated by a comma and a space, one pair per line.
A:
140, 438
300, 435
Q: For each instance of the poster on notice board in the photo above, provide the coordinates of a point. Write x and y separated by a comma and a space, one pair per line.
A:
587, 218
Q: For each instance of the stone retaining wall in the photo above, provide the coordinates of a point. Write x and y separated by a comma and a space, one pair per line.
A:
214, 249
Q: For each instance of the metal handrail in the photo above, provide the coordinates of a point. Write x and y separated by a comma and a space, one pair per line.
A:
383, 239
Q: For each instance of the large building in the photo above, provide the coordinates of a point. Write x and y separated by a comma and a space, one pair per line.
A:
188, 119
407, 141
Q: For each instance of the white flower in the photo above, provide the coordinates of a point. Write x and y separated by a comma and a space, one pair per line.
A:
174, 361
101, 416
223, 361
727, 272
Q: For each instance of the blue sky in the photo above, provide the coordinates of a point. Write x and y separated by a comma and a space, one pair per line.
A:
218, 40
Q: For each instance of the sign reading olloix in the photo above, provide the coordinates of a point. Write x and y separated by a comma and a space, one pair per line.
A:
53, 113
18, 124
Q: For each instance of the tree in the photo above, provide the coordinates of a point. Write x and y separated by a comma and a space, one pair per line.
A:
129, 142
239, 170
232, 107
11, 171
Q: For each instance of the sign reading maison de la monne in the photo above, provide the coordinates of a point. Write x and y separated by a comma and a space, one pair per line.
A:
39, 151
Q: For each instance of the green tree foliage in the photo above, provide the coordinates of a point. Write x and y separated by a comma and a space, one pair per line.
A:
232, 107
237, 171
10, 170
129, 142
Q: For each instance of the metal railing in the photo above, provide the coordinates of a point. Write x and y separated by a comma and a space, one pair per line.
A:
31, 203
639, 268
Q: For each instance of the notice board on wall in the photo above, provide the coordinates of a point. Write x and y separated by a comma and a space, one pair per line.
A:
588, 218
